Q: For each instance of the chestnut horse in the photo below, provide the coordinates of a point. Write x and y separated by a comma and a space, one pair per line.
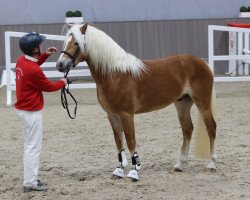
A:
128, 86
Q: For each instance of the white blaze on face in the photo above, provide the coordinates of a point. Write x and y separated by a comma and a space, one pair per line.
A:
61, 58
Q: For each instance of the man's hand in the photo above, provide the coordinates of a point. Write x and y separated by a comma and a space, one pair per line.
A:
65, 81
51, 50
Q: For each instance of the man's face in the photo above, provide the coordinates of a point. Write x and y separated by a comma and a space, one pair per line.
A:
37, 51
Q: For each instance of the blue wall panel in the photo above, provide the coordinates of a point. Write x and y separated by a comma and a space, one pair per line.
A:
53, 11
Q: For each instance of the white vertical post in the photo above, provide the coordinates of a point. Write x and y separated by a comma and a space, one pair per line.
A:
240, 52
236, 56
211, 48
8, 68
246, 46
232, 51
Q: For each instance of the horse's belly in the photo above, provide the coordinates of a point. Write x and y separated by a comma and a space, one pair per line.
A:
149, 105
157, 94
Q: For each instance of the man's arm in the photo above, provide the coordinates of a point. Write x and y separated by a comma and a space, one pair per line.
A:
42, 83
43, 57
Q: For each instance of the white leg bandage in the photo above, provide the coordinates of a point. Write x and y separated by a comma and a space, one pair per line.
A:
133, 173
124, 161
119, 171
136, 161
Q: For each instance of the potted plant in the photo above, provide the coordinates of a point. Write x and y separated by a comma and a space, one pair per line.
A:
244, 11
73, 17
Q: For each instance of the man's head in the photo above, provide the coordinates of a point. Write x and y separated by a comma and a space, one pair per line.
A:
30, 44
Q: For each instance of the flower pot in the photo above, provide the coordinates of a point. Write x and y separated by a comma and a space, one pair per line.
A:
73, 20
244, 14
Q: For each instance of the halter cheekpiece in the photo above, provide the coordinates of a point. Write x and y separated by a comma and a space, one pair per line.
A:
74, 56
65, 90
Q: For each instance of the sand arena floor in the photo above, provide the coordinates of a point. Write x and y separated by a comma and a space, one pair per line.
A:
79, 156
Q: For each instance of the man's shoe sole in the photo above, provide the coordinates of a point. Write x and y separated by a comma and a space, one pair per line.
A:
30, 189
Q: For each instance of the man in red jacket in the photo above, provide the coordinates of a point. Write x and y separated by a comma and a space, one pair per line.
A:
30, 83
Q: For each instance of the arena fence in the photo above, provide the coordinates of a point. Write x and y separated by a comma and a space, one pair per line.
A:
51, 72
238, 53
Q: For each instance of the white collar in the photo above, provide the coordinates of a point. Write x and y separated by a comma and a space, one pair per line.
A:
30, 58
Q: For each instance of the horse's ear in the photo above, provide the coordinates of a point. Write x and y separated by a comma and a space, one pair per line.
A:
69, 26
83, 28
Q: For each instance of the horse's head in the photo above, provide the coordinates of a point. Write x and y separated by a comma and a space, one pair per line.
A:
74, 48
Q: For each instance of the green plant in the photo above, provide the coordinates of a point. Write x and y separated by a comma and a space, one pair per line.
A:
248, 9
77, 13
69, 13
243, 9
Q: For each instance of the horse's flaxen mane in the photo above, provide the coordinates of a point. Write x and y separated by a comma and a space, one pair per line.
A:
105, 53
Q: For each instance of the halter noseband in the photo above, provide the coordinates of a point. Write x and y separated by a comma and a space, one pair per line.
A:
74, 56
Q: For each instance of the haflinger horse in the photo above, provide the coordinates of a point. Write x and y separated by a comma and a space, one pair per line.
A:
127, 86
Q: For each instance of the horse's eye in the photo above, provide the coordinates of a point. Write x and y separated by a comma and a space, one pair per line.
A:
76, 43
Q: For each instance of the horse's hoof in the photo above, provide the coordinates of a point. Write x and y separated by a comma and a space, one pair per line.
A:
114, 177
211, 167
177, 169
133, 175
118, 173
134, 180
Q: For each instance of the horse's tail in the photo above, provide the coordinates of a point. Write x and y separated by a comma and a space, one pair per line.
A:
202, 141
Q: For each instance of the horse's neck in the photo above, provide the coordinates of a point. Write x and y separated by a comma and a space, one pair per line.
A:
98, 76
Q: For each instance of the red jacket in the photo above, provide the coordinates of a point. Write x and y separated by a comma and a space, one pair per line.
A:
31, 82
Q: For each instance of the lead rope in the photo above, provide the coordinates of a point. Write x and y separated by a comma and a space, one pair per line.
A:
64, 100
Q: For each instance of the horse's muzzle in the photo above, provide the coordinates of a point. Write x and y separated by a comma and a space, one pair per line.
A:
59, 66
63, 67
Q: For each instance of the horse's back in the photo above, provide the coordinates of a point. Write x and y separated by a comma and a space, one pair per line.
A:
178, 62
184, 67
167, 79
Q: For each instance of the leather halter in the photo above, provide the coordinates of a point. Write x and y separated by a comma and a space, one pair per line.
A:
74, 56
64, 100
65, 90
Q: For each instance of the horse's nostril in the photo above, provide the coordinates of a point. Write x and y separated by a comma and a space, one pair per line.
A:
59, 66
60, 70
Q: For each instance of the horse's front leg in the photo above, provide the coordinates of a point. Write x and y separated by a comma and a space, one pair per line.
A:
117, 130
127, 121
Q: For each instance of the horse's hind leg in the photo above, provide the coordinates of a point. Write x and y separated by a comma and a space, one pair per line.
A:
211, 129
183, 107
206, 106
117, 130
